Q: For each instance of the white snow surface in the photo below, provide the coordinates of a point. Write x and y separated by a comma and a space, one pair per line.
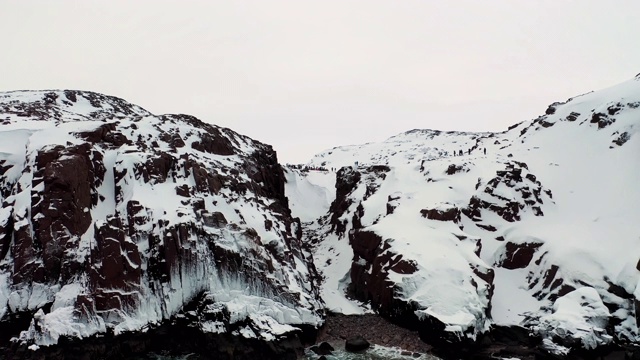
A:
310, 192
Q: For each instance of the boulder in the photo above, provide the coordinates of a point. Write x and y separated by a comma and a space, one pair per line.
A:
444, 213
324, 348
518, 256
356, 344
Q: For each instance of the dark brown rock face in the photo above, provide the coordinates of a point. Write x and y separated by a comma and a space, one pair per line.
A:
370, 270
105, 134
455, 168
518, 256
121, 269
530, 195
118, 214
68, 177
377, 265
450, 214
346, 181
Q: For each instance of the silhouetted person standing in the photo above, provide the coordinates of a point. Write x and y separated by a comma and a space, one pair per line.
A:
485, 151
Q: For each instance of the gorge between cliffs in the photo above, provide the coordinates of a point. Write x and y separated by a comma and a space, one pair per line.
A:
124, 233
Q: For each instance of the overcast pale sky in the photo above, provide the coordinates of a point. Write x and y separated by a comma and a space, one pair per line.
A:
305, 76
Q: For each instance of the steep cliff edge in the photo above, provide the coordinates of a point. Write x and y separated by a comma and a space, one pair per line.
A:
114, 219
456, 233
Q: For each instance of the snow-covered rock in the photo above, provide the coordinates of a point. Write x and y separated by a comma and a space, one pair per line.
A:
469, 230
579, 315
112, 219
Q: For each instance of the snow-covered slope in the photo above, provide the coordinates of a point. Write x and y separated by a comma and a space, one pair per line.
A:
516, 236
310, 192
407, 148
113, 219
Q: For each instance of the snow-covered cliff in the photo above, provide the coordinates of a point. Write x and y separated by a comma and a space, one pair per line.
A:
453, 232
112, 219
117, 221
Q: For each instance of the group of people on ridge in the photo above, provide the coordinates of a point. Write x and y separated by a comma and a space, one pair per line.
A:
461, 152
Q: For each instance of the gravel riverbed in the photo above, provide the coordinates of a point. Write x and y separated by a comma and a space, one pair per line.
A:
375, 329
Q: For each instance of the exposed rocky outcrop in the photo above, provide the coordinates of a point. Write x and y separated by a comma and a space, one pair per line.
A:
347, 179
447, 212
384, 276
499, 199
518, 256
370, 280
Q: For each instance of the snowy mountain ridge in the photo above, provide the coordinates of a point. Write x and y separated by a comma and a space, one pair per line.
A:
540, 232
413, 145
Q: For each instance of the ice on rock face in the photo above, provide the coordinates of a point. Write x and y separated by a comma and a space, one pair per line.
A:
117, 218
46, 329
